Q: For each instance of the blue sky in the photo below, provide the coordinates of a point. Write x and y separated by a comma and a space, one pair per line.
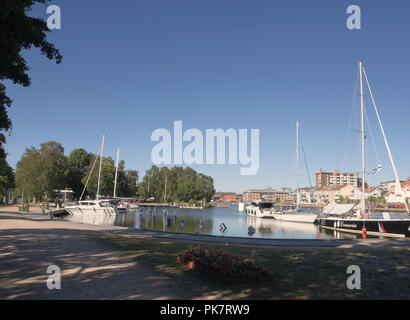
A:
130, 67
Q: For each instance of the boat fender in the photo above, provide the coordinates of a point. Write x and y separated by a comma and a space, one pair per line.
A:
364, 230
181, 224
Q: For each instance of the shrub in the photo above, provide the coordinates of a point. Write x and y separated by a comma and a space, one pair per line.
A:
217, 262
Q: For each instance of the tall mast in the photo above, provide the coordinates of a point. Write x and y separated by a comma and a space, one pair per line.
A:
116, 173
99, 171
363, 205
398, 191
297, 164
165, 192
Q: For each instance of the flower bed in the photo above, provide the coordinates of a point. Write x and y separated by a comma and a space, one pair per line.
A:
221, 263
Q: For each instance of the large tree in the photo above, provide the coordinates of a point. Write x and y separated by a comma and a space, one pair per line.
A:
6, 175
18, 32
126, 181
106, 178
41, 171
77, 164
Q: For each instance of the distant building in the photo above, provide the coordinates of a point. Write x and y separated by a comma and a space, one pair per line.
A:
391, 197
332, 195
356, 194
268, 194
66, 195
337, 178
374, 192
284, 196
305, 196
251, 195
227, 196
388, 185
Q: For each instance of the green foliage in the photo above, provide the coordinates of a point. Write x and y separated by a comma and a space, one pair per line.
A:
40, 171
183, 184
77, 163
107, 178
6, 175
5, 122
373, 199
18, 32
126, 181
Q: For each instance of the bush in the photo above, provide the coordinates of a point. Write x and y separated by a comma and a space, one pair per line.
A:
221, 263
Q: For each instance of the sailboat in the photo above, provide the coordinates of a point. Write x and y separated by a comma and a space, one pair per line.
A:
98, 206
293, 215
344, 217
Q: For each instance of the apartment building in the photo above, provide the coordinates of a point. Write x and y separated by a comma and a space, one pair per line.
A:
331, 195
251, 195
337, 178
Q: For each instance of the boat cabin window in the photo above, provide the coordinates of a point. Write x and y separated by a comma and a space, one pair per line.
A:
91, 204
105, 204
83, 203
265, 205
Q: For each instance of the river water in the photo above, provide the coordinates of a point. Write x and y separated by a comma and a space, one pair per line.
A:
227, 222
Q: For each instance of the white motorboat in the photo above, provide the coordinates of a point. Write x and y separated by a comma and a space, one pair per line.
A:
262, 209
98, 206
93, 207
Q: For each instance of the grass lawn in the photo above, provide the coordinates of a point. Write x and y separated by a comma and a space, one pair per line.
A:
297, 273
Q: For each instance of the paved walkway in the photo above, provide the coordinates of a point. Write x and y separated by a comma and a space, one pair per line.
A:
31, 243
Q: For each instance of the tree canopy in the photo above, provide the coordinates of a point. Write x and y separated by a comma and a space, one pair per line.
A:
182, 184
6, 174
18, 32
41, 171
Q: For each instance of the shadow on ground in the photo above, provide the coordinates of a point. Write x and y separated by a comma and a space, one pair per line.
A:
89, 270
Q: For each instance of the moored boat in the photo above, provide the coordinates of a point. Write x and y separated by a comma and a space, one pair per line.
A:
294, 216
345, 218
262, 209
342, 217
93, 207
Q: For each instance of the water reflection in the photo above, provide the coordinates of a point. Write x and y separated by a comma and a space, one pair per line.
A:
214, 221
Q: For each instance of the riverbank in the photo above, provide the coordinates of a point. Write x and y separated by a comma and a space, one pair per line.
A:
117, 263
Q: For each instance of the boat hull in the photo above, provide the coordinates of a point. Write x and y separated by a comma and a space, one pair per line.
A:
393, 228
296, 217
78, 211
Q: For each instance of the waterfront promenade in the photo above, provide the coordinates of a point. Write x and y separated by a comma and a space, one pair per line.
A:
99, 262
